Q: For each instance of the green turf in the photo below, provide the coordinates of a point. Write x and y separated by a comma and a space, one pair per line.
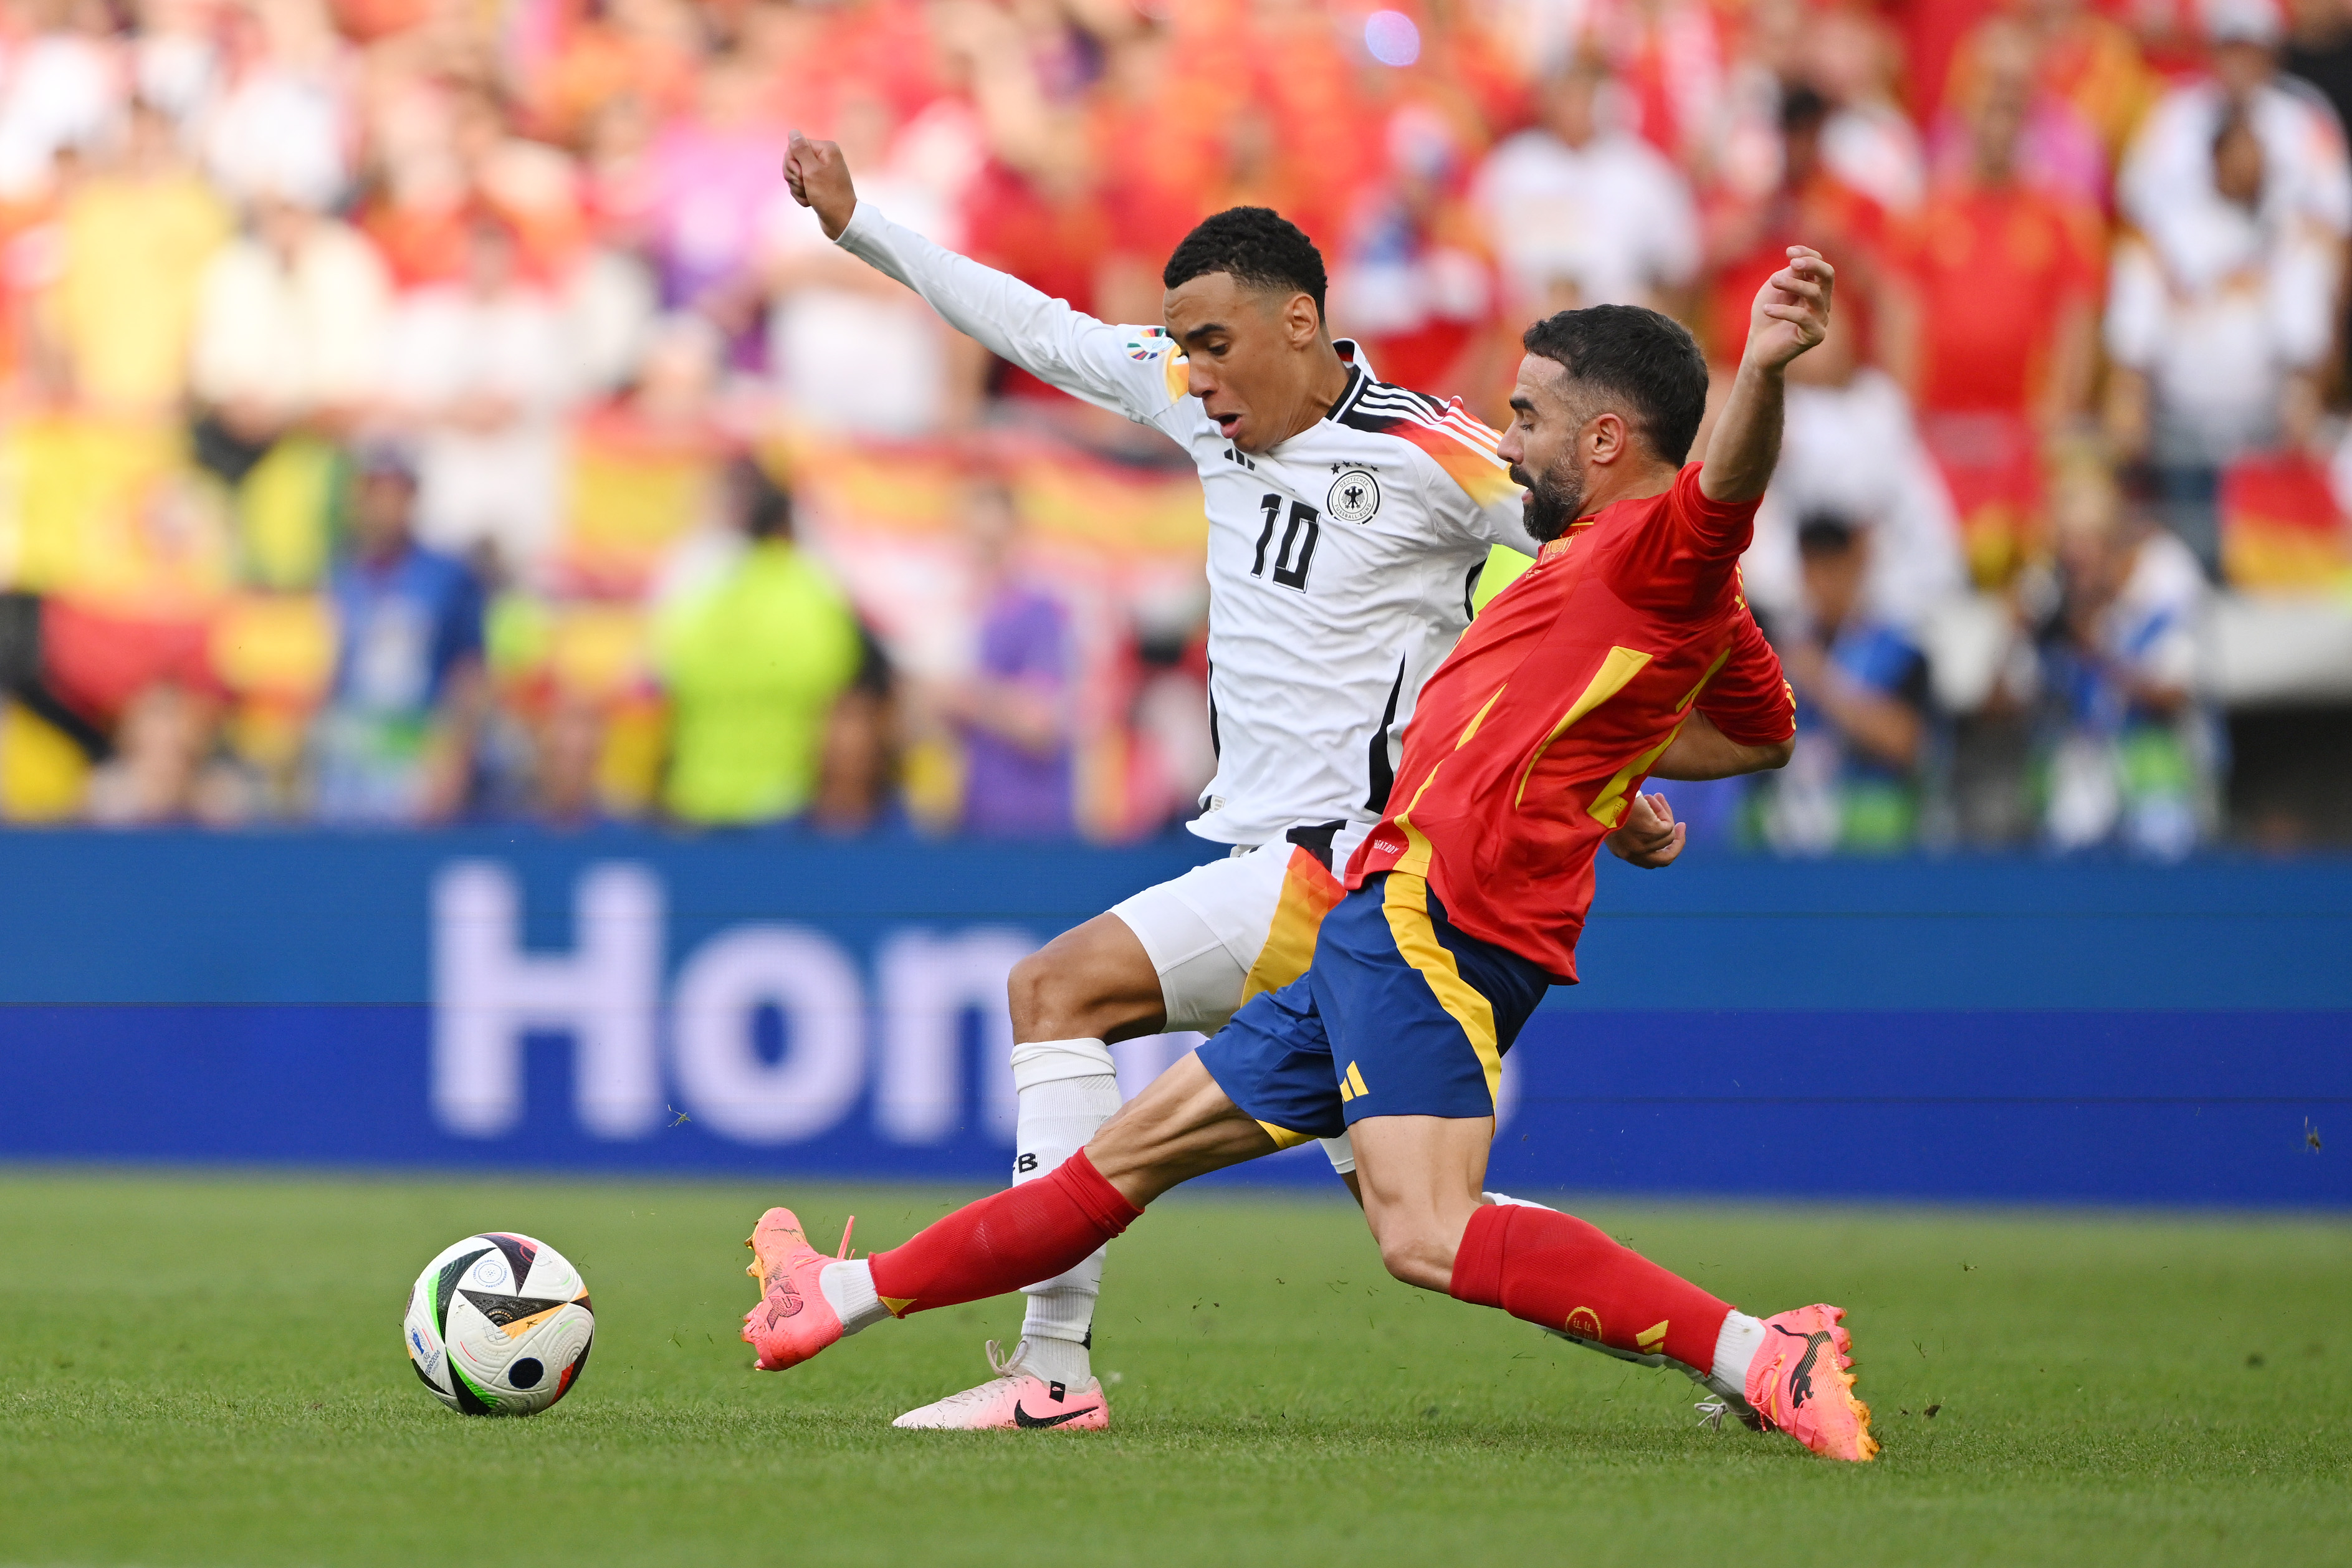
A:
209, 1370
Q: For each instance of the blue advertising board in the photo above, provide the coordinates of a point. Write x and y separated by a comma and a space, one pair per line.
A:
785, 1003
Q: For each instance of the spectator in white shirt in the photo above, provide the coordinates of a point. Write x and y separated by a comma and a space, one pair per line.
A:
175, 59
854, 350
61, 89
2301, 140
1868, 141
279, 125
2222, 309
290, 325
1850, 450
1580, 211
482, 372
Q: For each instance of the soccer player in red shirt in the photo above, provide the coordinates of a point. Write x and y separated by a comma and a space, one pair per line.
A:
1992, 387
1627, 648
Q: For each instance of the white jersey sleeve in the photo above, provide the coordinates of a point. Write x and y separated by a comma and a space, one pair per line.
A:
1135, 370
1490, 515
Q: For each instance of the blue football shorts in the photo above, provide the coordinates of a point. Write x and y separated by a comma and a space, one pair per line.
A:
1399, 1014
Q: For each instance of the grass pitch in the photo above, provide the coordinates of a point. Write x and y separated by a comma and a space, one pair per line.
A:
199, 1370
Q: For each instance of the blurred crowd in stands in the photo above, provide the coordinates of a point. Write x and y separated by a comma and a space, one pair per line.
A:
415, 411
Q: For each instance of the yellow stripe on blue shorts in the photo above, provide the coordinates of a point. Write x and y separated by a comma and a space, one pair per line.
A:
1405, 902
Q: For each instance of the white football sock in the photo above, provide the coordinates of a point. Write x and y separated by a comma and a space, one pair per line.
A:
1067, 1089
1735, 1352
1065, 1362
1504, 1200
849, 1291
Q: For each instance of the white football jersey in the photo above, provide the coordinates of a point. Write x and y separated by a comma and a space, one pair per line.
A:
1340, 563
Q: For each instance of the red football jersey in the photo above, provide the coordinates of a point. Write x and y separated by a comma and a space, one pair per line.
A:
1541, 724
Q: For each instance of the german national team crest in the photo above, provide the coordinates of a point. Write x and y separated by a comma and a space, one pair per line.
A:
1355, 497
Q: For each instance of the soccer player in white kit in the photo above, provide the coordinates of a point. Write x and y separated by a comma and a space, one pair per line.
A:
1349, 522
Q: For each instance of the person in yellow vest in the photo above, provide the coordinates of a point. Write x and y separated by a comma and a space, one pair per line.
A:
757, 650
135, 239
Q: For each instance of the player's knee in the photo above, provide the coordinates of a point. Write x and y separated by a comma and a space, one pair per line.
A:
1059, 991
1041, 995
1414, 1249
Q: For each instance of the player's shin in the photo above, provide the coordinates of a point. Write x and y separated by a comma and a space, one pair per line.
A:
1067, 1090
1556, 1271
1734, 1346
1004, 1241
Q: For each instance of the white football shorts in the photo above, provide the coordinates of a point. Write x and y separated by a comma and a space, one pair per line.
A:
1221, 932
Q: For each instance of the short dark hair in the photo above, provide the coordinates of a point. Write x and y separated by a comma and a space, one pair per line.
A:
1649, 360
1258, 246
1820, 534
762, 508
1803, 109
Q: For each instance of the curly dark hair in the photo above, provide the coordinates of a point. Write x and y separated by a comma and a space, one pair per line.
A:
1626, 352
1258, 246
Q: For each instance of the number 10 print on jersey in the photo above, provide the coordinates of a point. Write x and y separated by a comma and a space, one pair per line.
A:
1297, 552
1306, 633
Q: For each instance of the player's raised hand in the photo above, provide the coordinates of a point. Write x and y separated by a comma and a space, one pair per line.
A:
1649, 838
818, 177
1793, 309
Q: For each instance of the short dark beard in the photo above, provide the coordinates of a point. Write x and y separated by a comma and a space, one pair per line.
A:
1554, 502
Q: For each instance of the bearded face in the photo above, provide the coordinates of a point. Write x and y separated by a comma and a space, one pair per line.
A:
1555, 498
1556, 490
1550, 444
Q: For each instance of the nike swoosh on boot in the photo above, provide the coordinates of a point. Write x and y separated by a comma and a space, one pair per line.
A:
1021, 1417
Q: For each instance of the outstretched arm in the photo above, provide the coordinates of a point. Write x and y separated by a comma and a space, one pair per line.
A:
1650, 837
1700, 750
1064, 347
1792, 314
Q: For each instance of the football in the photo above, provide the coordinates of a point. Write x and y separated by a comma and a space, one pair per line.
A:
498, 1324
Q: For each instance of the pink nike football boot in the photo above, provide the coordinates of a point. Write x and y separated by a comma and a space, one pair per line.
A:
1799, 1384
794, 1320
1014, 1398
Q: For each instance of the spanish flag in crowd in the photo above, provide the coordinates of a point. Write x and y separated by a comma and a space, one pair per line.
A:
2282, 531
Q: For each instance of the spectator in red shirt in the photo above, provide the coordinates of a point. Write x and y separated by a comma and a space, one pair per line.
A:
2089, 89
1993, 382
1053, 239
1413, 281
1811, 207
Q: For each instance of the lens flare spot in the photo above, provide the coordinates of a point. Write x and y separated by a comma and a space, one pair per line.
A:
1392, 39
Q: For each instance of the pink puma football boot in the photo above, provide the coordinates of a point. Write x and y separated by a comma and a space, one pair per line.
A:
1799, 1382
794, 1320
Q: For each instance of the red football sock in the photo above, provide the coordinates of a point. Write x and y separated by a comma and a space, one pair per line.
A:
1556, 1270
1004, 1241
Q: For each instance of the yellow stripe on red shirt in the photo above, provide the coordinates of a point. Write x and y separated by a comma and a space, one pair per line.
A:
1533, 735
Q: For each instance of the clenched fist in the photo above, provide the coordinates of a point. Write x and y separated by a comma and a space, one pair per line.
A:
1649, 838
1791, 312
818, 177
